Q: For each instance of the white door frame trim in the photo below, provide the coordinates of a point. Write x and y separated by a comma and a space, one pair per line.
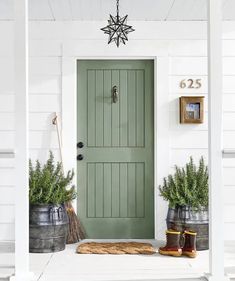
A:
161, 125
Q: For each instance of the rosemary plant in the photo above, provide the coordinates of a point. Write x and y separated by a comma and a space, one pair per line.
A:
48, 184
188, 186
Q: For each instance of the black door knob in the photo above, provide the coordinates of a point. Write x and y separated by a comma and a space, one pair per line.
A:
80, 157
80, 144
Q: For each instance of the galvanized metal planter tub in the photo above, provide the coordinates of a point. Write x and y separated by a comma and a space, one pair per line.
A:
48, 226
184, 217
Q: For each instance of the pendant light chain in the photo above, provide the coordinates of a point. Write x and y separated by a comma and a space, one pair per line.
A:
118, 8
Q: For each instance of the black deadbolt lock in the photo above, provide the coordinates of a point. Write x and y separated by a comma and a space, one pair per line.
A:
80, 144
80, 157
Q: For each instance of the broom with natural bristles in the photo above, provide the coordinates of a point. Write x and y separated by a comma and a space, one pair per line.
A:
75, 230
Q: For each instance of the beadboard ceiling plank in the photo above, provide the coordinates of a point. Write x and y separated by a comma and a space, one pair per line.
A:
137, 10
188, 10
229, 10
6, 9
61, 9
40, 10
95, 10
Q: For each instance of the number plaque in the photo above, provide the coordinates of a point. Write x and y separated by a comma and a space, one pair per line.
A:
191, 83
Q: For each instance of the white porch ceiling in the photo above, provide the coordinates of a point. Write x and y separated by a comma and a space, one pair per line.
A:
158, 10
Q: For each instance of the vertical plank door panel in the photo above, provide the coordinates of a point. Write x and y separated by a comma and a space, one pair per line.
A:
115, 110
123, 108
131, 108
99, 108
107, 108
91, 107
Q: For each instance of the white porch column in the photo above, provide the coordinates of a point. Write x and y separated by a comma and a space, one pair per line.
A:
215, 140
21, 142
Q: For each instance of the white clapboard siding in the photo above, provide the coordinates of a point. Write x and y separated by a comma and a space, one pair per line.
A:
228, 66
7, 102
189, 139
45, 66
228, 47
229, 121
7, 177
7, 231
229, 139
43, 139
45, 48
7, 121
37, 48
7, 85
45, 84
42, 154
6, 67
198, 139
229, 84
6, 48
229, 195
229, 102
41, 121
229, 211
198, 66
44, 103
100, 48
7, 195
189, 48
228, 162
7, 139
229, 230
7, 162
146, 30
189, 66
7, 213
181, 156
198, 48
228, 176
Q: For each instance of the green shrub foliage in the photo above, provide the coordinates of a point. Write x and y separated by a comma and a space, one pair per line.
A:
48, 184
188, 186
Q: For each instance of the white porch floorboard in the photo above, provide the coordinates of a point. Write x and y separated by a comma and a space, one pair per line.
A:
67, 265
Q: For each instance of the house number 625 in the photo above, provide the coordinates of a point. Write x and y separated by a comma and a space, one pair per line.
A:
191, 83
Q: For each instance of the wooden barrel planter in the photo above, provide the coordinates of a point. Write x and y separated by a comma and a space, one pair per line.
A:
184, 218
48, 226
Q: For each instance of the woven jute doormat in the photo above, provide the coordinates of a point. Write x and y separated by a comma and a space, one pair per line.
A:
121, 248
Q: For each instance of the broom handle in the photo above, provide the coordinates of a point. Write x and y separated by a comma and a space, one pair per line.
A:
55, 122
74, 224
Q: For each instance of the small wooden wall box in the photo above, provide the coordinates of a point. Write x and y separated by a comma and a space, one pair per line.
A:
191, 110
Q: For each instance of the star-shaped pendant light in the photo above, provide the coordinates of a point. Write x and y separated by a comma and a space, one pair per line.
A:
117, 28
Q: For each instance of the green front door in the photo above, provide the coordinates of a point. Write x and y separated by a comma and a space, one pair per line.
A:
115, 128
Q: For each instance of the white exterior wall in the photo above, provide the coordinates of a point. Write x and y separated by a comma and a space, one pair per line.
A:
186, 44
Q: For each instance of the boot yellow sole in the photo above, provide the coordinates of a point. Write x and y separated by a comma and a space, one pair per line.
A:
170, 253
189, 254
